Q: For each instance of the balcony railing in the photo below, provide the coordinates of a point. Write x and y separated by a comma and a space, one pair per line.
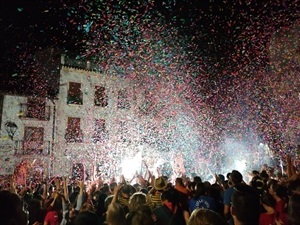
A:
74, 136
32, 148
29, 111
81, 64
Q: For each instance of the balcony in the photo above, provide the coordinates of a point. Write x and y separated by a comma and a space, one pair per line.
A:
80, 64
32, 148
100, 136
29, 111
74, 100
74, 136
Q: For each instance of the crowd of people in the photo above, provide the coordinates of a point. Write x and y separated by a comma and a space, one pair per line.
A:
150, 200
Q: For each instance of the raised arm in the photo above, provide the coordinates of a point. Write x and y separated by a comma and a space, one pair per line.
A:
117, 190
65, 187
80, 195
12, 184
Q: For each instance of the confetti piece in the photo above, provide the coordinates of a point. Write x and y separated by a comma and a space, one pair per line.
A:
217, 79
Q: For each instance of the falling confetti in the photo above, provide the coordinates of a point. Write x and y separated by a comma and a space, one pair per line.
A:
219, 77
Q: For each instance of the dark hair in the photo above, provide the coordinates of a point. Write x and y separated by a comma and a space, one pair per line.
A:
267, 199
86, 218
57, 207
257, 184
273, 183
221, 177
206, 217
264, 176
112, 186
35, 211
228, 176
179, 181
141, 216
107, 202
294, 209
136, 200
294, 202
127, 189
191, 187
115, 214
197, 179
173, 196
12, 209
279, 189
105, 189
236, 177
200, 189
246, 204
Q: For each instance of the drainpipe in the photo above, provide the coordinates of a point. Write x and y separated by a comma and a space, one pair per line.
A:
53, 139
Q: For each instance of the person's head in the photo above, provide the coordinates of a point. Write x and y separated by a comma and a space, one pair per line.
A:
86, 207
235, 177
255, 173
160, 184
107, 201
136, 200
141, 216
126, 191
86, 218
191, 186
272, 186
171, 196
112, 186
257, 183
294, 209
197, 179
12, 210
115, 214
264, 176
200, 189
267, 200
276, 189
245, 207
294, 202
179, 181
206, 217
105, 189
221, 177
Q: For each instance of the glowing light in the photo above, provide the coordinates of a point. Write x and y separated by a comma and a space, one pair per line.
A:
240, 165
130, 166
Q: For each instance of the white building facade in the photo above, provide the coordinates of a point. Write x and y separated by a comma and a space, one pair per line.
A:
92, 112
26, 133
97, 121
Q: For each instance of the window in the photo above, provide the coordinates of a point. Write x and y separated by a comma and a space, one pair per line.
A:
100, 96
78, 171
33, 140
100, 132
74, 94
73, 131
147, 105
123, 132
36, 108
123, 101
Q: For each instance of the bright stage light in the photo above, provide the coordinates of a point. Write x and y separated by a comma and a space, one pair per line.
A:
240, 165
131, 165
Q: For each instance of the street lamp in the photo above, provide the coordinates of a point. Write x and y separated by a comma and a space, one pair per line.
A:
11, 129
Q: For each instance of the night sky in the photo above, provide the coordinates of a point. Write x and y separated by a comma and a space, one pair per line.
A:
222, 45
221, 29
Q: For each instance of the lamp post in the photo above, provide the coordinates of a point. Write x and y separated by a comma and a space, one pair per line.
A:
11, 129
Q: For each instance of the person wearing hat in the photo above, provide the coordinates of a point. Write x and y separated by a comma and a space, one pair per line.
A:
159, 185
